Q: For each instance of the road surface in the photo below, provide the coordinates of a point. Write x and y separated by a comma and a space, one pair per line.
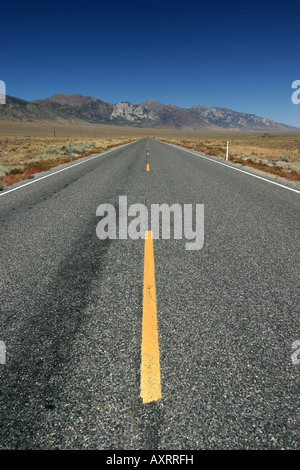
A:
71, 309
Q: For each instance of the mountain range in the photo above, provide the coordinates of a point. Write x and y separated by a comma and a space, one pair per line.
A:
80, 109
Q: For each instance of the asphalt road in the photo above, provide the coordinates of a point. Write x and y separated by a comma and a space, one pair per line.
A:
71, 310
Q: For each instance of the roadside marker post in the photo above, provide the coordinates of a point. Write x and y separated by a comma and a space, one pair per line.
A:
227, 151
70, 153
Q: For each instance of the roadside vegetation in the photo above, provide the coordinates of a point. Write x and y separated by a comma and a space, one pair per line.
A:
22, 157
278, 154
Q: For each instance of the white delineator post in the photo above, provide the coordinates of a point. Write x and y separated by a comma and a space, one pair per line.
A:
227, 151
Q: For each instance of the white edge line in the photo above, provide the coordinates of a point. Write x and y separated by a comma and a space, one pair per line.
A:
233, 168
84, 160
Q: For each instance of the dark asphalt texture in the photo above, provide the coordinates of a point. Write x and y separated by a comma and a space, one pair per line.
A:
71, 310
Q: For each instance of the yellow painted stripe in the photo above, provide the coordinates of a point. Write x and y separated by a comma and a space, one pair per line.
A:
150, 367
147, 153
148, 167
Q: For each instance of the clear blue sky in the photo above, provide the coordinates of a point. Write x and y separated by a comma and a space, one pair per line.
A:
239, 55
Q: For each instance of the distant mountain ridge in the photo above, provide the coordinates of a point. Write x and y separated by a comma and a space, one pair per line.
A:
150, 114
16, 109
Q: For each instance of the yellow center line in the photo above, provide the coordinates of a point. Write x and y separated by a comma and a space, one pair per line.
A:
150, 367
148, 167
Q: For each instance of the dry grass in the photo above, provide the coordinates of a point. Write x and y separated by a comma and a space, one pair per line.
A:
275, 153
21, 157
46, 129
26, 148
